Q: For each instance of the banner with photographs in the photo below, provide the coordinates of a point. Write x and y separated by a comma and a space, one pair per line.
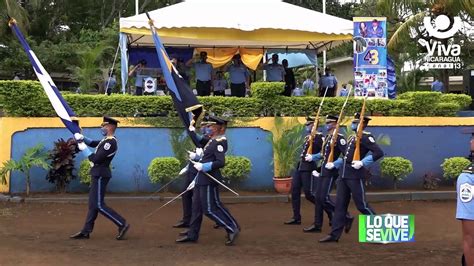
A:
370, 57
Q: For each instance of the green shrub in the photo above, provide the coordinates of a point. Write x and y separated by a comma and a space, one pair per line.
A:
84, 172
237, 168
163, 169
462, 99
27, 98
452, 167
447, 109
396, 168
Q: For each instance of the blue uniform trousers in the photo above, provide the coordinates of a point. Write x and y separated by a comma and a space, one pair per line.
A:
346, 188
206, 201
301, 179
97, 205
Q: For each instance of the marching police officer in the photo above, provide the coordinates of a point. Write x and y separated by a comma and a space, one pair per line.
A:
191, 172
351, 182
329, 173
205, 195
101, 174
465, 211
302, 177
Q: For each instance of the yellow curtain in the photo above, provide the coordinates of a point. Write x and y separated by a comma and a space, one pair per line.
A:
251, 57
221, 56
218, 56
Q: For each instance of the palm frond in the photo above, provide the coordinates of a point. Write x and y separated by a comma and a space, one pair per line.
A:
403, 31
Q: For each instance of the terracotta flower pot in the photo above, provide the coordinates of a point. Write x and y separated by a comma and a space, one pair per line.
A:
282, 185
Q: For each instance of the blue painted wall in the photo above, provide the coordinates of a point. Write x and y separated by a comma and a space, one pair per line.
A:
137, 147
426, 147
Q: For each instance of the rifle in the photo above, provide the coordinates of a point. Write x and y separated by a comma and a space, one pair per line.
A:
314, 129
360, 130
336, 130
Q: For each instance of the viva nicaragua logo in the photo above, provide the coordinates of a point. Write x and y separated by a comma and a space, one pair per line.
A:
386, 228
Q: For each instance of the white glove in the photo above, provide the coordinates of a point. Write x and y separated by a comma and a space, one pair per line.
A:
308, 158
198, 166
78, 136
329, 166
357, 164
315, 173
184, 170
82, 146
192, 155
191, 128
199, 152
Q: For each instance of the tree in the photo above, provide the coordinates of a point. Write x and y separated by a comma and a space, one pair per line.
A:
33, 157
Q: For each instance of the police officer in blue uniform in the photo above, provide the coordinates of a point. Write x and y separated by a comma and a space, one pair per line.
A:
191, 172
205, 195
351, 183
302, 177
329, 174
101, 174
203, 71
465, 212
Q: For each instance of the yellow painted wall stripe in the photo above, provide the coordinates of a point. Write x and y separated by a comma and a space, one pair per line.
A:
11, 125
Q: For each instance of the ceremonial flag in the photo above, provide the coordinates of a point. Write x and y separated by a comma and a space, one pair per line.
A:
186, 103
61, 107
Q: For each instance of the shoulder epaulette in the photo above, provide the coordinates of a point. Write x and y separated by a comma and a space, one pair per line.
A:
221, 138
469, 169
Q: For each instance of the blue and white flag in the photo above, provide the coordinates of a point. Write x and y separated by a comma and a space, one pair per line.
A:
185, 102
61, 107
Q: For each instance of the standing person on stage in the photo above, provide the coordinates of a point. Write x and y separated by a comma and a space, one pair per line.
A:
101, 175
328, 81
327, 177
136, 72
465, 212
203, 72
219, 84
290, 82
191, 172
205, 195
302, 177
239, 77
353, 173
275, 71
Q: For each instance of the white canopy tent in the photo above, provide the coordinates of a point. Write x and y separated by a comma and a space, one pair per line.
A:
235, 23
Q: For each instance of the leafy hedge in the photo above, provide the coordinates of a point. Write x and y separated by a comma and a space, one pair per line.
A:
163, 169
27, 98
237, 168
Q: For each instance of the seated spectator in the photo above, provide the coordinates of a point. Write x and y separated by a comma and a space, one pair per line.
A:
308, 85
344, 91
298, 91
219, 84
110, 83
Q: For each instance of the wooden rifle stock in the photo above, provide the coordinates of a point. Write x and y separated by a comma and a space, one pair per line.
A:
314, 129
360, 131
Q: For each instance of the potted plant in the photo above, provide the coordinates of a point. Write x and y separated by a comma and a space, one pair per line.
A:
452, 167
236, 169
35, 156
396, 168
163, 169
287, 139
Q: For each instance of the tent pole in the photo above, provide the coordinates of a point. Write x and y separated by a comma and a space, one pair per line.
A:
136, 7
324, 51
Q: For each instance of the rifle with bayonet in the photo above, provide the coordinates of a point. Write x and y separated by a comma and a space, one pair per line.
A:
336, 130
360, 131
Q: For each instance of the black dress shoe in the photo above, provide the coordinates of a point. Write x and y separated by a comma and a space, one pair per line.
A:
181, 224
327, 239
293, 221
80, 235
185, 239
348, 226
184, 233
312, 229
122, 232
231, 237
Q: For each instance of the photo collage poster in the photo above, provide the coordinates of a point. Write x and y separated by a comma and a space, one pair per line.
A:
370, 57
